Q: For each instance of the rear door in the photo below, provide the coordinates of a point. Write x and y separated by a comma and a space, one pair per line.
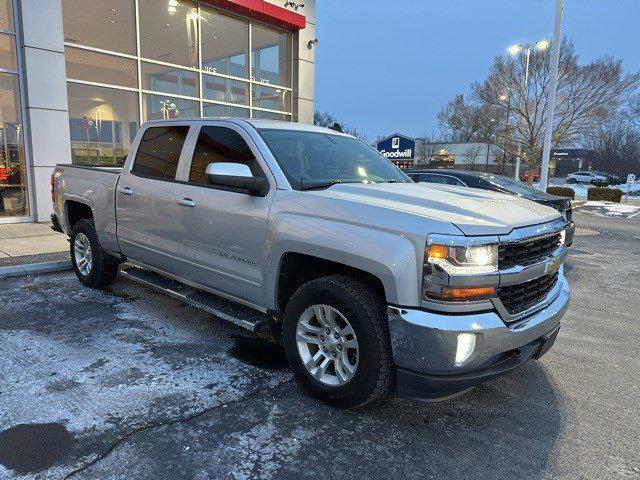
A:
145, 197
221, 233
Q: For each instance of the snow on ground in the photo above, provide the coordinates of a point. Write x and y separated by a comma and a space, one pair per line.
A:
611, 209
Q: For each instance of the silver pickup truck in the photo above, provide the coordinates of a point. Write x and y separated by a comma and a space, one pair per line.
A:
374, 284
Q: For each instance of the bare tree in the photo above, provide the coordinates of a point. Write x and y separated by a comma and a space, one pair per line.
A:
616, 147
426, 147
633, 110
472, 156
587, 96
464, 120
327, 120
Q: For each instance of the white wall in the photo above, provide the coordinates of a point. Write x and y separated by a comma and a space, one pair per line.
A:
459, 150
46, 97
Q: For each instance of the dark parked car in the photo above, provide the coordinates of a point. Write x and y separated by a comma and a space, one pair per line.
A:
496, 183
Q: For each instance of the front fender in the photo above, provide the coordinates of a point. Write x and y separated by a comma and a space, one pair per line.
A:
389, 256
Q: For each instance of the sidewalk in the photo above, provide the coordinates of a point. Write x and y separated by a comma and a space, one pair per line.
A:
30, 248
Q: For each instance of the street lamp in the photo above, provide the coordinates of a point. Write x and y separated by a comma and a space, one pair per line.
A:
514, 50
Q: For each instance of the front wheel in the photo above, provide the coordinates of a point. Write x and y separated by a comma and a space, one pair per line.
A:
336, 339
94, 267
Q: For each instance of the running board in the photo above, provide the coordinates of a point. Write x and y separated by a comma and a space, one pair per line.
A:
244, 317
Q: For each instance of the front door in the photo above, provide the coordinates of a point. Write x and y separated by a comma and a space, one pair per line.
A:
145, 198
221, 233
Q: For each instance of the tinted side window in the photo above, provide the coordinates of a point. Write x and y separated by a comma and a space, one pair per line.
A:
443, 179
219, 144
159, 152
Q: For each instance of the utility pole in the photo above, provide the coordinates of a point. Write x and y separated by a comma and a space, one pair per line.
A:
553, 84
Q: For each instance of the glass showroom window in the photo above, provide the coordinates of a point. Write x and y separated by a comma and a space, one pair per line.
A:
14, 188
103, 123
169, 31
193, 60
97, 67
108, 25
158, 106
217, 110
14, 200
271, 56
225, 44
166, 79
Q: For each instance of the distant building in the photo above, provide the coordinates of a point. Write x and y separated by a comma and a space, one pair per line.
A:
569, 160
477, 156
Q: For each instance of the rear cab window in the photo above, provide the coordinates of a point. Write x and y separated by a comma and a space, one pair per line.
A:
159, 152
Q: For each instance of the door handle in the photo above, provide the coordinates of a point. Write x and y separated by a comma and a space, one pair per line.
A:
186, 202
125, 190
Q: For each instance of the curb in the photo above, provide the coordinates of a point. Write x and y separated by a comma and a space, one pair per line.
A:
31, 268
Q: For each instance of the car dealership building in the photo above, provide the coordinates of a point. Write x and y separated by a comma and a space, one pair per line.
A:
78, 77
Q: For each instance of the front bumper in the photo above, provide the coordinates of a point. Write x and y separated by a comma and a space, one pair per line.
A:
425, 387
424, 342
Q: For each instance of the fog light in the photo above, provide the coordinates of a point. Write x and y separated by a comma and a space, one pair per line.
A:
466, 344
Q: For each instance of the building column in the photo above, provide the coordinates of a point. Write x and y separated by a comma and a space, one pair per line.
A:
304, 64
46, 103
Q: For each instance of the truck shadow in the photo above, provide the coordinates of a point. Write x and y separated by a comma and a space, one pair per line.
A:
507, 428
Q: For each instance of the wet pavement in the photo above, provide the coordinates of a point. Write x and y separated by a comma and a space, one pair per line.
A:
130, 384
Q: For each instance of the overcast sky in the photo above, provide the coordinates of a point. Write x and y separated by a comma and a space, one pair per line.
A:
390, 66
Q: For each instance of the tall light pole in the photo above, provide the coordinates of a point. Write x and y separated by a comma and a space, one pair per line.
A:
515, 50
553, 84
507, 98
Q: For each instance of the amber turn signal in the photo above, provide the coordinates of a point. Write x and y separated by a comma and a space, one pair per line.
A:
437, 251
464, 294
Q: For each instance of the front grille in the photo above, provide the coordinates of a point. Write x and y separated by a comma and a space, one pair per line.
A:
518, 298
526, 252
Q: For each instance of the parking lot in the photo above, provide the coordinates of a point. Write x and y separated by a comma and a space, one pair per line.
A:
130, 384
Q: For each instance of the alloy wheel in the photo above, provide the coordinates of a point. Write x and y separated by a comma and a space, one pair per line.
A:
327, 345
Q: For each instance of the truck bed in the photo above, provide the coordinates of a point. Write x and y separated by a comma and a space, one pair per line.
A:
95, 187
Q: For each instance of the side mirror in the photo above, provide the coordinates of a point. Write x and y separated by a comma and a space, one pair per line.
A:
236, 177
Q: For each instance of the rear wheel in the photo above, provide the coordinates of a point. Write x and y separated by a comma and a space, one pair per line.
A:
94, 267
337, 341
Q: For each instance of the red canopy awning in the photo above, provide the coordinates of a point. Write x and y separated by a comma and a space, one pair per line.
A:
263, 11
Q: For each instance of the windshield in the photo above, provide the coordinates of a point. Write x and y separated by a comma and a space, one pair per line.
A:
519, 188
315, 158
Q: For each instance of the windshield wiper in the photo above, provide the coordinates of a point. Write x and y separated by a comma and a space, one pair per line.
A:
313, 186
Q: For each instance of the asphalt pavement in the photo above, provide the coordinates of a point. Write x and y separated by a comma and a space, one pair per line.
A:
126, 383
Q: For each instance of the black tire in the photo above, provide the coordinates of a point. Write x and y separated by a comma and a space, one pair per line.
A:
104, 268
366, 312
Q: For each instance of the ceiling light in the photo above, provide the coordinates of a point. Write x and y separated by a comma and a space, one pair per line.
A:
172, 10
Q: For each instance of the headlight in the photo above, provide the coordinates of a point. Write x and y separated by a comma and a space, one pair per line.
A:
563, 236
464, 260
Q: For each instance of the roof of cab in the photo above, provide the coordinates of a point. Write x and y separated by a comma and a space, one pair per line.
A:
254, 122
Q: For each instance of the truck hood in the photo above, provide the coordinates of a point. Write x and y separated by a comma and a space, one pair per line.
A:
472, 211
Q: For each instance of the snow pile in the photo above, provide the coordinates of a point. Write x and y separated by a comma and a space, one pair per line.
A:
615, 209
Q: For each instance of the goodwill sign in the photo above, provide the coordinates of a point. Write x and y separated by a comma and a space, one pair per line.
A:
397, 147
